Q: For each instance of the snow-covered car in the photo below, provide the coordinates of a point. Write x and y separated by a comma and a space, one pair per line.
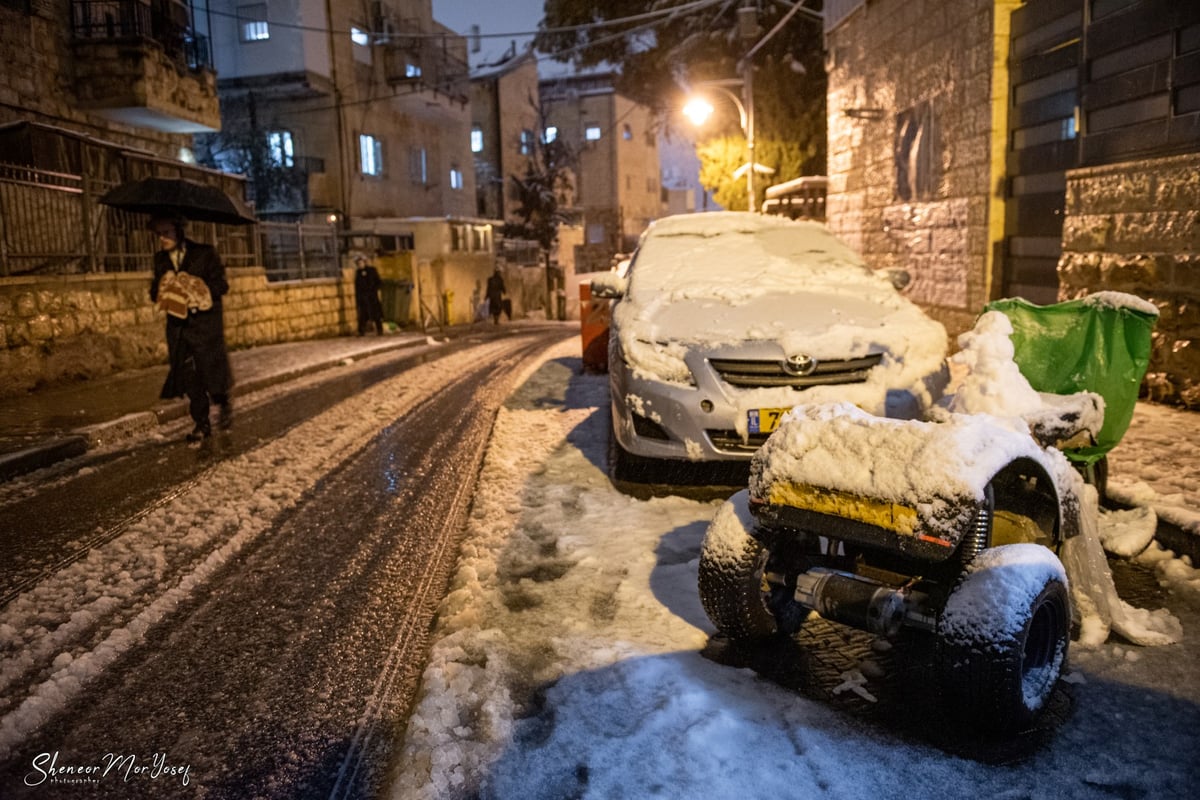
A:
727, 320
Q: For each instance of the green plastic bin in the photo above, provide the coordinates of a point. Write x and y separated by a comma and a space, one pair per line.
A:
1098, 344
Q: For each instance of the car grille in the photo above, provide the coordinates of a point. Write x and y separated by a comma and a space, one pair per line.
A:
731, 441
748, 373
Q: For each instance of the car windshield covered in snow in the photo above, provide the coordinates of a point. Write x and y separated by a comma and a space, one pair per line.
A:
727, 319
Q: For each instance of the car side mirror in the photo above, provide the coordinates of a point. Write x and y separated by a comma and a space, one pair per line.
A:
609, 285
900, 278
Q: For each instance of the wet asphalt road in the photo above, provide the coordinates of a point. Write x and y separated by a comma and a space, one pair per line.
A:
288, 672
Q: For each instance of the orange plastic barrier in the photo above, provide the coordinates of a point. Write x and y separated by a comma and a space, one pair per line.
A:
593, 329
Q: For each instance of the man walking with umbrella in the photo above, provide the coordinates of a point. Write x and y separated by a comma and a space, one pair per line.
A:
189, 281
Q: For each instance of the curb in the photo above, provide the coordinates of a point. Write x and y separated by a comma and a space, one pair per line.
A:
79, 441
41, 455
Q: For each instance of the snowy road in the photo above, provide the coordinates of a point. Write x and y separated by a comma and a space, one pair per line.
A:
261, 622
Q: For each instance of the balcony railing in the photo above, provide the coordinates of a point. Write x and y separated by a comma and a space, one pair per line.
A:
93, 20
425, 63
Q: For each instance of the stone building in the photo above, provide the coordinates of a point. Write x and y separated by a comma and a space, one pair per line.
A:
357, 110
618, 185
1045, 149
132, 72
504, 130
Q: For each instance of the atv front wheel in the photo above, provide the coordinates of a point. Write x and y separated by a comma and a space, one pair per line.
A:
1003, 635
731, 573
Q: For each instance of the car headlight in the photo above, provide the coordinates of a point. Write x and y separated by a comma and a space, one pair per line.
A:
663, 361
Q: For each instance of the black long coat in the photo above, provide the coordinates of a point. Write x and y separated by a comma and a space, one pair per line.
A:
366, 294
202, 335
495, 293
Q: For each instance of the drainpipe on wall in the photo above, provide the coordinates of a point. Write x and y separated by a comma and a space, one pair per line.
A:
343, 174
998, 175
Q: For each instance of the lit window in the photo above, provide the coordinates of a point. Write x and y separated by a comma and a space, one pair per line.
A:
280, 148
592, 133
476, 139
252, 22
526, 142
551, 133
412, 70
370, 155
362, 44
418, 165
456, 177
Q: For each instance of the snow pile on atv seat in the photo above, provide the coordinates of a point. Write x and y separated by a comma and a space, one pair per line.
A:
839, 460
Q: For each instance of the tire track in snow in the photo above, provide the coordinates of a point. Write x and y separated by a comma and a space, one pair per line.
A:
63, 632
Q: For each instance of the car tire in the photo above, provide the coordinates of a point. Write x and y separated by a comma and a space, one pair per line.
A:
731, 574
1002, 644
625, 467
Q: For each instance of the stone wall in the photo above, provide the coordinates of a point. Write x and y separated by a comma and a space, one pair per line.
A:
933, 60
1135, 228
55, 329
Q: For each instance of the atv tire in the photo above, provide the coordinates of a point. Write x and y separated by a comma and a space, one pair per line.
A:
1002, 643
731, 574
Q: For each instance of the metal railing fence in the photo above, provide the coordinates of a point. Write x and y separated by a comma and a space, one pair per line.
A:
128, 19
52, 223
298, 251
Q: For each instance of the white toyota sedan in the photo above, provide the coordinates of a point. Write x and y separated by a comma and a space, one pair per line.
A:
724, 321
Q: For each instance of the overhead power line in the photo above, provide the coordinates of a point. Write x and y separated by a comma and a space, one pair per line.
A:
696, 5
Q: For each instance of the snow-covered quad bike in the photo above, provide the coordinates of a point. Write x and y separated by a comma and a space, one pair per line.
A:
952, 526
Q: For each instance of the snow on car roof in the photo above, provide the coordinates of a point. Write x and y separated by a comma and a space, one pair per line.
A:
735, 256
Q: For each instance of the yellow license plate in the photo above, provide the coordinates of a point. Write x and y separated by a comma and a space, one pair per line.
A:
765, 420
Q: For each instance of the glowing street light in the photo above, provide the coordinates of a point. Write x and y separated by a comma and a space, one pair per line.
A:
698, 109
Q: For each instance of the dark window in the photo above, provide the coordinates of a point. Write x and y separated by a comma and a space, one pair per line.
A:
915, 147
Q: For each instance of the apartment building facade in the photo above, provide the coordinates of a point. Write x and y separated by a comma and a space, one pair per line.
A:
504, 129
1045, 149
347, 111
134, 73
618, 185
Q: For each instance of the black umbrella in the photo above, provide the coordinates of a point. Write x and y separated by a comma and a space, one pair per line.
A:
178, 197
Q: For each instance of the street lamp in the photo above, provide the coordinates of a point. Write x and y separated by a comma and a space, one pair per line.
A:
747, 26
698, 110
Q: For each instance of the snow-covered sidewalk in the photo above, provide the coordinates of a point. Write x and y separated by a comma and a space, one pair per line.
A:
568, 657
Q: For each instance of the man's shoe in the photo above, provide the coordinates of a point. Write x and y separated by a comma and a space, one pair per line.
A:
225, 416
198, 434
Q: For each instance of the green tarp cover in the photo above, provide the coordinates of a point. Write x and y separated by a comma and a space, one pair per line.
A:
1082, 345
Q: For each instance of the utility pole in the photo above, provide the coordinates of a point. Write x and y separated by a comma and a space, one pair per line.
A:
747, 29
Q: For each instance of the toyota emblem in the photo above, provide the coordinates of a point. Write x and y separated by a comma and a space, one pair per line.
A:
799, 364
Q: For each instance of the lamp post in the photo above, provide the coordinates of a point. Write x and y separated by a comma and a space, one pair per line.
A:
747, 22
698, 110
